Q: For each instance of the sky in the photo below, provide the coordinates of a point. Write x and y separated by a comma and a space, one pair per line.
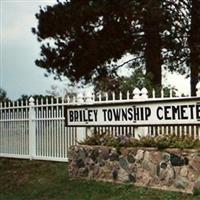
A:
19, 49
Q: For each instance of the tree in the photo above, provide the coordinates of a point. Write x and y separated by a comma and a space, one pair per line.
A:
152, 17
54, 91
88, 37
3, 95
138, 79
194, 44
41, 99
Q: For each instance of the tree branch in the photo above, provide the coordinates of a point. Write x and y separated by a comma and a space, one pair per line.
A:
128, 61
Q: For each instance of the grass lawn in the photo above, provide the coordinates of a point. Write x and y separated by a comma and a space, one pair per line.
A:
42, 180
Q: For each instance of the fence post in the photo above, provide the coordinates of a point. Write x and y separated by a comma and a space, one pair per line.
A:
141, 131
32, 129
89, 99
81, 131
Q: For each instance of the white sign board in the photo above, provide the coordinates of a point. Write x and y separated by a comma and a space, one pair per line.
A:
185, 111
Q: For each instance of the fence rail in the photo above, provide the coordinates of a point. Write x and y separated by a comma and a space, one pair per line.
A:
35, 129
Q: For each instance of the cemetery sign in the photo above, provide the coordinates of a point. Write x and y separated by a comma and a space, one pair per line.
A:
170, 112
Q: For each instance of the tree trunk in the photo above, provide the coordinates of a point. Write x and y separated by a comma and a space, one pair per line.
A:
152, 51
194, 43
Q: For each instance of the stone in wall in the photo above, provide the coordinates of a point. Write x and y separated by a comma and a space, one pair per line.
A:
169, 169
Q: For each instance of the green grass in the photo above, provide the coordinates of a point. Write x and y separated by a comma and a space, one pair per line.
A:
42, 180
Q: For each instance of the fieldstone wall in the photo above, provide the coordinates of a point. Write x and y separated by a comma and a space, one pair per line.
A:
170, 169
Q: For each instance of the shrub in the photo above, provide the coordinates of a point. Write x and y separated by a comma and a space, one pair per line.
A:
160, 142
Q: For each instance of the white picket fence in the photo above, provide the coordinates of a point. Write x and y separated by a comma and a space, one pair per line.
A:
35, 129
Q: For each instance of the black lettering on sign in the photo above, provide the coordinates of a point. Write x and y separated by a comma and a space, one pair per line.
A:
147, 113
198, 112
71, 116
183, 112
80, 115
76, 116
142, 113
191, 111
159, 113
104, 115
175, 112
90, 119
130, 112
84, 115
124, 114
167, 112
116, 113
95, 115
136, 113
109, 115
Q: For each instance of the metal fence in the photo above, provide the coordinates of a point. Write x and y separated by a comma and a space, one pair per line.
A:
35, 129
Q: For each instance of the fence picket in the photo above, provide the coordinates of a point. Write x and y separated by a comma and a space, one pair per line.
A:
120, 95
113, 96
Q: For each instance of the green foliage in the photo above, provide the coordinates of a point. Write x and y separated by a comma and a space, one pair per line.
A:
3, 95
99, 139
160, 142
138, 79
196, 192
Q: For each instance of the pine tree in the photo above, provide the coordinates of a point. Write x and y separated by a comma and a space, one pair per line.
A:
194, 44
85, 39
